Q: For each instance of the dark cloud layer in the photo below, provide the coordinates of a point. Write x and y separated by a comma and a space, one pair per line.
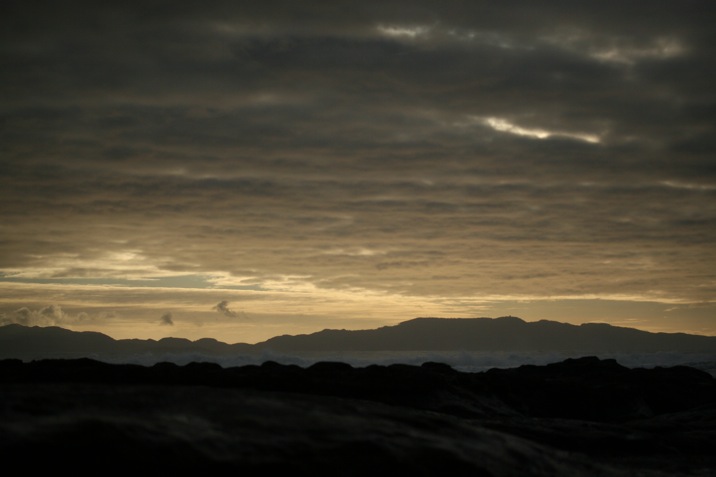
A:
443, 149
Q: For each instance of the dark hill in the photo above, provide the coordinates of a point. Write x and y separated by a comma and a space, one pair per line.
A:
420, 334
487, 334
24, 342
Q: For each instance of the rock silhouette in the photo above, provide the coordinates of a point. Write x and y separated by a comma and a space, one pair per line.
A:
585, 416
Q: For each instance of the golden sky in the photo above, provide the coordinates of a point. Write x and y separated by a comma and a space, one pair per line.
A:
241, 170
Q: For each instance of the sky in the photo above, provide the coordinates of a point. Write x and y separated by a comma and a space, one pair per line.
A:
242, 170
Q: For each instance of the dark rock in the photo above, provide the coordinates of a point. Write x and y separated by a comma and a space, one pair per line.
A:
584, 416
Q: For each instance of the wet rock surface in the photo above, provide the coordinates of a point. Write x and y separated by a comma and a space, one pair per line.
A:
583, 416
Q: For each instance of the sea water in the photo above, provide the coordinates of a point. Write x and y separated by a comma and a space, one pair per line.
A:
464, 361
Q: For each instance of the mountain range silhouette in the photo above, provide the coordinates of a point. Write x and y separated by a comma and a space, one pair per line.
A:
586, 416
419, 334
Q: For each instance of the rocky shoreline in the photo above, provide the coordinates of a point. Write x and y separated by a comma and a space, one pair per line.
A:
585, 416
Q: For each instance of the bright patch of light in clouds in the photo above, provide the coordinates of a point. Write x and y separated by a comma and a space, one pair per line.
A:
130, 264
659, 49
356, 252
403, 31
689, 186
503, 125
619, 50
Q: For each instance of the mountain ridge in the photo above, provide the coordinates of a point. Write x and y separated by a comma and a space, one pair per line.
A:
490, 334
419, 334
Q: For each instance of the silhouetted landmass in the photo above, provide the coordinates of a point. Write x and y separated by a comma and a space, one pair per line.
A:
35, 342
423, 334
488, 334
62, 398
578, 417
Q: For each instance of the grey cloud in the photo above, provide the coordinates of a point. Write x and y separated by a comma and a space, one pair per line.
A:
223, 307
50, 315
167, 319
253, 136
522, 213
53, 312
22, 316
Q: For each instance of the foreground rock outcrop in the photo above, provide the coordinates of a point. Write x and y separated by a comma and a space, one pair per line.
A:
577, 417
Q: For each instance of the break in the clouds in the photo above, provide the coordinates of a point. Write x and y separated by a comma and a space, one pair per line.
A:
444, 156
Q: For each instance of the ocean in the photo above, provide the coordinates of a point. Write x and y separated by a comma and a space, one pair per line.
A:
464, 361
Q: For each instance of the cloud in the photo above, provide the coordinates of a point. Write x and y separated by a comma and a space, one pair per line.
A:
223, 307
21, 316
535, 150
51, 315
54, 313
167, 319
